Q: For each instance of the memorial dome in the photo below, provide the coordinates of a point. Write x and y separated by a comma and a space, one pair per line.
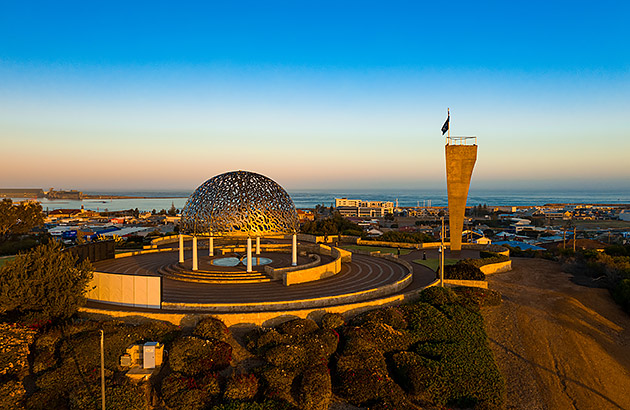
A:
239, 203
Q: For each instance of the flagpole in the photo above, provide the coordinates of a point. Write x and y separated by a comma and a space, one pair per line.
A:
448, 115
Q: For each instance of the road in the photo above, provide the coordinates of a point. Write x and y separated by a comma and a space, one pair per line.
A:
558, 344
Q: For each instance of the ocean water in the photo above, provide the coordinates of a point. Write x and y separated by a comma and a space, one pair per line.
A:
159, 200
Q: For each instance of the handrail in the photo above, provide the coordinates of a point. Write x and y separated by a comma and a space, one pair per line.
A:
460, 140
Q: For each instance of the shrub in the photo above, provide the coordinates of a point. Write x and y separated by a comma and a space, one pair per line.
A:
365, 385
463, 271
259, 340
241, 387
266, 404
211, 328
437, 296
388, 339
413, 372
119, 396
621, 294
332, 321
286, 356
314, 388
47, 399
277, 382
297, 327
477, 297
322, 344
46, 281
188, 393
391, 316
192, 355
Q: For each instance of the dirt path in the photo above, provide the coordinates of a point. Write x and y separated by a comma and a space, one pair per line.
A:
558, 344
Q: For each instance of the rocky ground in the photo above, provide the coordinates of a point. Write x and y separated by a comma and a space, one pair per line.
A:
559, 345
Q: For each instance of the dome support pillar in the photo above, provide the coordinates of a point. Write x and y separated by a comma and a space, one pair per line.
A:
211, 246
181, 248
195, 262
258, 245
294, 251
249, 254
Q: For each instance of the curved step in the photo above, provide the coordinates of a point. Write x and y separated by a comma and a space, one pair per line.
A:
176, 273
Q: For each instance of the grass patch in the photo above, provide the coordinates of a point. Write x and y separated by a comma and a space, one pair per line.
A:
382, 249
434, 263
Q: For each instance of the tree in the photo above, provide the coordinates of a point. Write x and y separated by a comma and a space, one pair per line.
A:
46, 282
19, 219
172, 210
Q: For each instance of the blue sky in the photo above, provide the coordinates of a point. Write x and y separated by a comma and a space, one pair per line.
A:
115, 95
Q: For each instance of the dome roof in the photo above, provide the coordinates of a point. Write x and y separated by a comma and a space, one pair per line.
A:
239, 203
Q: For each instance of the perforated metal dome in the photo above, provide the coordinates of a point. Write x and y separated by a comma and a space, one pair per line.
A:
239, 203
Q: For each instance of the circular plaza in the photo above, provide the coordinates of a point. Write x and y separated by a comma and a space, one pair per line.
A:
239, 251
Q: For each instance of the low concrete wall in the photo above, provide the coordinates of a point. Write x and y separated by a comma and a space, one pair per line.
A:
126, 290
501, 250
470, 283
270, 318
496, 267
312, 273
279, 273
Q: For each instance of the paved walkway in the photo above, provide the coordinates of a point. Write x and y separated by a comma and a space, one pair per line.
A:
363, 273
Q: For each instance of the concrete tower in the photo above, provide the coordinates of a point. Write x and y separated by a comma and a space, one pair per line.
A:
460, 161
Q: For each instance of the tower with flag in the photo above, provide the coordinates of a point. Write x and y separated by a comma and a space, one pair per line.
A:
461, 155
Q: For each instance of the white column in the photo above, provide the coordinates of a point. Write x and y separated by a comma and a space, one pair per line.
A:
294, 253
211, 246
249, 254
258, 245
195, 263
181, 248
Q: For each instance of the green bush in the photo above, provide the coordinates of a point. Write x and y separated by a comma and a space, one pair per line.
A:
189, 393
193, 355
621, 294
16, 246
486, 258
45, 281
332, 320
297, 327
391, 316
463, 271
263, 405
277, 382
211, 328
261, 339
387, 338
118, 396
241, 387
314, 388
322, 344
437, 296
413, 373
47, 399
286, 356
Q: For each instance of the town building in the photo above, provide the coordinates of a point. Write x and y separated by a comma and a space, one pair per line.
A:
363, 209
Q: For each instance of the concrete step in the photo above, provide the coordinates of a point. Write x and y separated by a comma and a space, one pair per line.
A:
172, 272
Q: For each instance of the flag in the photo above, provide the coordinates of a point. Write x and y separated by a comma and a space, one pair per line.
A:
445, 126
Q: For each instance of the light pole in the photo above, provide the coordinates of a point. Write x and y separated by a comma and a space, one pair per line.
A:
102, 369
442, 254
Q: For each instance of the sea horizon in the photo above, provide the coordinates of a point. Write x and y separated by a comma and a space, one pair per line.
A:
148, 200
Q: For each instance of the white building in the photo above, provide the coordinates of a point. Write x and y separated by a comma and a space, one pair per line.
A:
361, 208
